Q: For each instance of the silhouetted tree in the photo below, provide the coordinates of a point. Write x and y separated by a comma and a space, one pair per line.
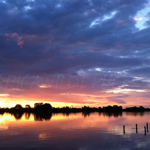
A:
18, 106
28, 106
43, 107
86, 114
86, 109
37, 104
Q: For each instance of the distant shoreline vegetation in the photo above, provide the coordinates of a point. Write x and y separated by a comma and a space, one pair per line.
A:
47, 108
44, 111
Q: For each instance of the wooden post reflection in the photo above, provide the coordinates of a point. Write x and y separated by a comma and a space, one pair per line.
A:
136, 129
145, 130
147, 127
124, 129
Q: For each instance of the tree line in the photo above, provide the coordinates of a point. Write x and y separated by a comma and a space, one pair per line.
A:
46, 108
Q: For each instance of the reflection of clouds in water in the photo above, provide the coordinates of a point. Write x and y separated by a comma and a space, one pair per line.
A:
118, 130
5, 117
141, 144
42, 136
93, 132
3, 127
16, 133
82, 149
127, 136
129, 130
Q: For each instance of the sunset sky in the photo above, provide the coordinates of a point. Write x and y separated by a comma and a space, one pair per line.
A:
75, 52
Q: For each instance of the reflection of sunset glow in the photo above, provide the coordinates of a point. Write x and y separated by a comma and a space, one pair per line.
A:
42, 136
72, 128
79, 100
78, 121
3, 127
65, 117
6, 117
26, 117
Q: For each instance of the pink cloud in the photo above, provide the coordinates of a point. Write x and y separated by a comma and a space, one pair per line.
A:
7, 35
20, 42
14, 35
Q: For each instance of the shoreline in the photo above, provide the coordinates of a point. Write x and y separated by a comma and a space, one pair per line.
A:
46, 108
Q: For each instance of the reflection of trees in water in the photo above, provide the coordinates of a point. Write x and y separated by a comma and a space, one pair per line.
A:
18, 115
37, 116
65, 114
115, 114
135, 113
2, 111
1, 114
27, 116
42, 116
108, 114
86, 114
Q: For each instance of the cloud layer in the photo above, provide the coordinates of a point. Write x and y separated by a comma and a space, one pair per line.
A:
88, 47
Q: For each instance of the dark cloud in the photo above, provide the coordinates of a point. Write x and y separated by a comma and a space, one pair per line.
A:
118, 101
141, 71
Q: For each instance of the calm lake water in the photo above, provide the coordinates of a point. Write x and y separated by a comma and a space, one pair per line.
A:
75, 132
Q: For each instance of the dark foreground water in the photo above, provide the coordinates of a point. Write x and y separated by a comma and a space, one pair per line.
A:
75, 132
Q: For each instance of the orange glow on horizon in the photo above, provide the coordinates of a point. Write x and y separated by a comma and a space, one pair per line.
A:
77, 100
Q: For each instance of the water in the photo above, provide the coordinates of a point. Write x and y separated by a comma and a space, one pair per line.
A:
75, 132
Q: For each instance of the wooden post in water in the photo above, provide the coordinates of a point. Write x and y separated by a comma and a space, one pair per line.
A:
124, 129
147, 127
136, 129
145, 130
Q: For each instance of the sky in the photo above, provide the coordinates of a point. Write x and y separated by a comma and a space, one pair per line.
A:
75, 52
